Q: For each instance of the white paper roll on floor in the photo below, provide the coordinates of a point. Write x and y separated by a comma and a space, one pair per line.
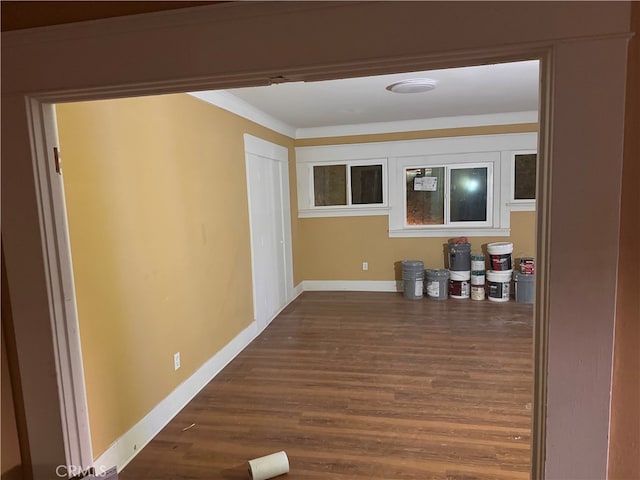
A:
269, 466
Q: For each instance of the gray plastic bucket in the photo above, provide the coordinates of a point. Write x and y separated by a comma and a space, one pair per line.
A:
460, 257
525, 287
437, 284
413, 277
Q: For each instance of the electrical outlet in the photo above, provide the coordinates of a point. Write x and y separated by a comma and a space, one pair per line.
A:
176, 360
365, 266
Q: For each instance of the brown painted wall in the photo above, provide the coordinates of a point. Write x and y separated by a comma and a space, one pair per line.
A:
624, 447
11, 463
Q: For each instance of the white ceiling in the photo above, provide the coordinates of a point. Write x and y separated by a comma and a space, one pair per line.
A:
478, 90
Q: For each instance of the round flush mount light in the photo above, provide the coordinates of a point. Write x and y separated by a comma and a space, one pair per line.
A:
413, 85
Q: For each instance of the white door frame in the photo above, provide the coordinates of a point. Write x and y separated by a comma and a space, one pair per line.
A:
76, 432
262, 148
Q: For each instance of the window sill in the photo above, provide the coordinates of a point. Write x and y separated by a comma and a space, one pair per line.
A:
350, 211
522, 206
450, 232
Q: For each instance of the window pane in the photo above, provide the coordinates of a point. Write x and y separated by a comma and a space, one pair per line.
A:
330, 185
468, 195
366, 184
525, 177
425, 196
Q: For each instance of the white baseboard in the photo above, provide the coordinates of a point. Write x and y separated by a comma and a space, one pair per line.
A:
352, 285
122, 451
297, 290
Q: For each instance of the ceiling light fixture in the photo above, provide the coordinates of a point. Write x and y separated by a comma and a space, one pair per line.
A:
413, 85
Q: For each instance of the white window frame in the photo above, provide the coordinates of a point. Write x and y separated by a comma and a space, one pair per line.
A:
447, 195
398, 226
500, 148
306, 196
519, 205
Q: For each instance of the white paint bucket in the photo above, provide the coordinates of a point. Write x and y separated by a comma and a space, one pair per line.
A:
459, 284
499, 285
500, 256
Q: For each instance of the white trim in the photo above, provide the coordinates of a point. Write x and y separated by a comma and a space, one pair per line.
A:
350, 211
66, 335
233, 104
227, 101
352, 285
522, 206
258, 146
449, 232
519, 205
417, 125
123, 450
306, 190
297, 290
429, 146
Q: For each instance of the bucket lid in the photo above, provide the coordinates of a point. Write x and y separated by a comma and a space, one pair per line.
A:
432, 272
500, 248
477, 256
523, 277
413, 263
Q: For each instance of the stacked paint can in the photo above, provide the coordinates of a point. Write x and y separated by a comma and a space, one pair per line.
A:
413, 276
477, 277
524, 281
459, 269
499, 276
437, 284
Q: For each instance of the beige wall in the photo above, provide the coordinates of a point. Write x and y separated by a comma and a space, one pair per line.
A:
157, 207
624, 446
334, 248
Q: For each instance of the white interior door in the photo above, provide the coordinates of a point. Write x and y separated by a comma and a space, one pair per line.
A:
269, 215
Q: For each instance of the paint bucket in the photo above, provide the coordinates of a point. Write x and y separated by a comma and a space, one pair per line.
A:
477, 263
459, 284
527, 266
413, 276
460, 257
477, 277
500, 255
498, 285
525, 286
437, 284
477, 292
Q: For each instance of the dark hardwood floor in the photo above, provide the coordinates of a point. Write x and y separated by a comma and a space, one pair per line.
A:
364, 386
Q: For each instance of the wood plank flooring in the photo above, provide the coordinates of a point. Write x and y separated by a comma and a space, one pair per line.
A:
364, 386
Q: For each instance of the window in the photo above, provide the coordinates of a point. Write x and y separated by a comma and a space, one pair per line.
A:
348, 188
456, 194
437, 187
523, 180
330, 185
